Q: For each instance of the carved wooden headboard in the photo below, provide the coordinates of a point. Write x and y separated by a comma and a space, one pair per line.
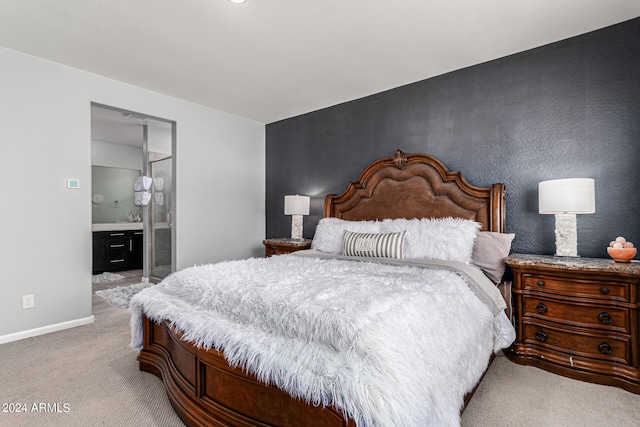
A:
417, 186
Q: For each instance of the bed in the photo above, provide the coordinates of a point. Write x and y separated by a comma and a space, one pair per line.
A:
214, 377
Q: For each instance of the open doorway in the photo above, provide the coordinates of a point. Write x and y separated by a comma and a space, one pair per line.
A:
132, 194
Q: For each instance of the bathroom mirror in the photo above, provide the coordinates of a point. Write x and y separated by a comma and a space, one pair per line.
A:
112, 194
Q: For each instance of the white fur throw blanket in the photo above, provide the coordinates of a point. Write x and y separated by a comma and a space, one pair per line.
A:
388, 345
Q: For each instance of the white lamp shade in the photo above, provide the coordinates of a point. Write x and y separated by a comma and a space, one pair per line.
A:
572, 195
296, 205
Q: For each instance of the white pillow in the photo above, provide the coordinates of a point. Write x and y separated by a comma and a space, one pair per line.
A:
385, 245
329, 233
448, 239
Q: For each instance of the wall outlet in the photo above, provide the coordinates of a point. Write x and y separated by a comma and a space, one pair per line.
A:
28, 301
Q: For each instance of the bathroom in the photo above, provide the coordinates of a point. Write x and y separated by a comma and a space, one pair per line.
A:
131, 187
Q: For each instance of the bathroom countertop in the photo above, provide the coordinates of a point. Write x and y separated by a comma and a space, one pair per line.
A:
117, 226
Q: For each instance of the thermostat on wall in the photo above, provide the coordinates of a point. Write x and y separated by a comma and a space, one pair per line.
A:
73, 183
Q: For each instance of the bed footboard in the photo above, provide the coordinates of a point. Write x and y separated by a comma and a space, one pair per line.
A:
205, 391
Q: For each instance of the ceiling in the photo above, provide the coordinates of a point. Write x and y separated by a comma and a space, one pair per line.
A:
267, 60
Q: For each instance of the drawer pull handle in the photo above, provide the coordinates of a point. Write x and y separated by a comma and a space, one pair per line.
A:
605, 348
605, 318
604, 291
117, 260
541, 308
116, 234
541, 336
540, 283
116, 246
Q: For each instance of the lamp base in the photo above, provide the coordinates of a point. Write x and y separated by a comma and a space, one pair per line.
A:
566, 235
296, 227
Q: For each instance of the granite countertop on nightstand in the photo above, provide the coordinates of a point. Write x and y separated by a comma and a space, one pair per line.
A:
574, 263
288, 241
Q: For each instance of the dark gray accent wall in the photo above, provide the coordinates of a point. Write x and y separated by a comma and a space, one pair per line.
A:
566, 110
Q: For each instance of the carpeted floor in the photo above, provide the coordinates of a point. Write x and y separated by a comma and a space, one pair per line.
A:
89, 376
91, 369
513, 395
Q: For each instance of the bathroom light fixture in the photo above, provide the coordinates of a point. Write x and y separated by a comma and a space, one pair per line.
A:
296, 206
238, 1
565, 198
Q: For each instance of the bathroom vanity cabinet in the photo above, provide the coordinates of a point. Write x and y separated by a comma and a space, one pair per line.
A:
117, 250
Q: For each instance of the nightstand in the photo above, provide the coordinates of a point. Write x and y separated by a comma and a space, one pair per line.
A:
578, 317
281, 246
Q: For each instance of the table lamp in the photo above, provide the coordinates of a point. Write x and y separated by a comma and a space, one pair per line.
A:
565, 198
296, 206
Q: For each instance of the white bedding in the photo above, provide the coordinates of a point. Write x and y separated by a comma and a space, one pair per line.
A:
389, 345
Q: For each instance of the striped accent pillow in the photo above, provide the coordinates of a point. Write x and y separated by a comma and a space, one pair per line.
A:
386, 245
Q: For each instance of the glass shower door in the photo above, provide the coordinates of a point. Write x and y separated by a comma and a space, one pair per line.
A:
161, 218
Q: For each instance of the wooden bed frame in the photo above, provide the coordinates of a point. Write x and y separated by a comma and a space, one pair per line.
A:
205, 391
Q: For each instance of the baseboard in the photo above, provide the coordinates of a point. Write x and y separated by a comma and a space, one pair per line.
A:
17, 336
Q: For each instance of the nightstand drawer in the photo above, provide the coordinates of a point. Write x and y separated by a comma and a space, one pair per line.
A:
572, 341
576, 287
590, 316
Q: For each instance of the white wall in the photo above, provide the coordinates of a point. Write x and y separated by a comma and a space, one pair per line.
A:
45, 131
158, 139
112, 154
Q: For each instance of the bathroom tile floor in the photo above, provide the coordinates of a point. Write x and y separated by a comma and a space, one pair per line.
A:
130, 278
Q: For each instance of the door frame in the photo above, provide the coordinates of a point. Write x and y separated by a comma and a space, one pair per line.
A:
143, 119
